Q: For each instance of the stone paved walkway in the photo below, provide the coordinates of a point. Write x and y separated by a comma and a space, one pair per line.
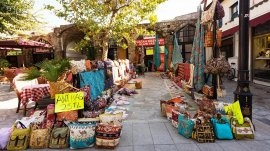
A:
146, 130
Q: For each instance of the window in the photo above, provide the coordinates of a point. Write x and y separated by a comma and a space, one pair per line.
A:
234, 11
186, 34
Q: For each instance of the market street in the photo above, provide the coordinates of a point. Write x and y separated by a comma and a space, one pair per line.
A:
146, 130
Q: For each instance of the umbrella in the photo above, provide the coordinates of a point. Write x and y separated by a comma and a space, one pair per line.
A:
156, 53
198, 55
177, 53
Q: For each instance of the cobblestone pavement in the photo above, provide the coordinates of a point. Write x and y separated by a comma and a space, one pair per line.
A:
146, 130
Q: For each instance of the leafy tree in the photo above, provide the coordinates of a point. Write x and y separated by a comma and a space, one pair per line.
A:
101, 20
16, 16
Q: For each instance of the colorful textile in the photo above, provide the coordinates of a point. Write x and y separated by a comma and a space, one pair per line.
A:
177, 53
157, 53
96, 80
198, 55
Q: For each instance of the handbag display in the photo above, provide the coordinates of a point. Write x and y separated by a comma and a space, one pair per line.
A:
107, 136
185, 126
19, 137
208, 15
205, 133
242, 131
222, 128
39, 137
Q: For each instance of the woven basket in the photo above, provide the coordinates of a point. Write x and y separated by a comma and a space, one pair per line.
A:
208, 39
219, 37
58, 87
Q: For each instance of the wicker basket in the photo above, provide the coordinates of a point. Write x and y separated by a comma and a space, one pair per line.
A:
219, 37
208, 39
58, 87
138, 84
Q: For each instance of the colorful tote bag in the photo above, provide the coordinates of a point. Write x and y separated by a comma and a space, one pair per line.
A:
59, 137
242, 131
19, 137
108, 135
82, 134
185, 126
222, 128
39, 138
205, 133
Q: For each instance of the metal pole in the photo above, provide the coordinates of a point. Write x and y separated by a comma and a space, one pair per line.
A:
215, 55
242, 92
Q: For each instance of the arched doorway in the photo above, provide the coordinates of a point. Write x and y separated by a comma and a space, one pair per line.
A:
185, 37
72, 54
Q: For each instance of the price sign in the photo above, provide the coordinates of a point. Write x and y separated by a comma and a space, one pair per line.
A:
69, 101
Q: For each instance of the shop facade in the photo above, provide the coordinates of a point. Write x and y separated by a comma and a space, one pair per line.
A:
259, 38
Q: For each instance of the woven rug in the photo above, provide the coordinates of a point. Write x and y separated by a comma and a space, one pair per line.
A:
176, 91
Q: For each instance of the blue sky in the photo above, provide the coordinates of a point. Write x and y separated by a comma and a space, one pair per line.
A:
165, 11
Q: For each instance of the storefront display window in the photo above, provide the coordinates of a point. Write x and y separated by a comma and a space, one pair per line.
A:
261, 57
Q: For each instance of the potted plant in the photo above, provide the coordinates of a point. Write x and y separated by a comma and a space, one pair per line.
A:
3, 64
51, 70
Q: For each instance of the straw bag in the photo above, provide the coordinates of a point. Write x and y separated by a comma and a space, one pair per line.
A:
208, 37
219, 37
220, 92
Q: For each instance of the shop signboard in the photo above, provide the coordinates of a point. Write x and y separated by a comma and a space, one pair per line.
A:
69, 101
149, 42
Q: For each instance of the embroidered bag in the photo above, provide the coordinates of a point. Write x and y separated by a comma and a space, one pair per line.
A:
222, 128
39, 137
4, 136
111, 119
242, 131
108, 136
82, 134
205, 133
59, 136
19, 137
185, 126
175, 114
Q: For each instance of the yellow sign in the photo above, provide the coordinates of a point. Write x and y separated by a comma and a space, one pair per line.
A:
149, 51
69, 101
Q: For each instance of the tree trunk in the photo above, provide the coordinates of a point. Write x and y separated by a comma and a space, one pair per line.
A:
105, 50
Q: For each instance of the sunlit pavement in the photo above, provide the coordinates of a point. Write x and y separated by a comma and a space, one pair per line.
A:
146, 130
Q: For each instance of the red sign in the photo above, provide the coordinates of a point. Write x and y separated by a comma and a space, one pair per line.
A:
149, 42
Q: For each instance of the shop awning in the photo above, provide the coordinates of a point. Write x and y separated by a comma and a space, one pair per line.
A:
260, 20
230, 31
22, 43
253, 23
